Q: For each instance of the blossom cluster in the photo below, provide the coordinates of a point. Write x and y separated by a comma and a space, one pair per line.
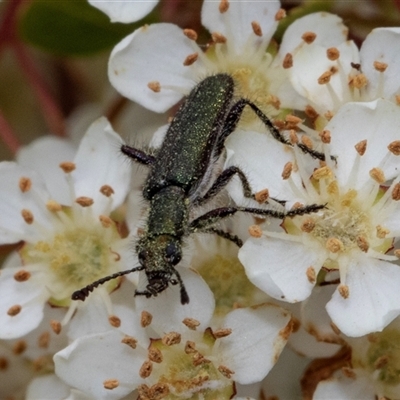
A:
319, 285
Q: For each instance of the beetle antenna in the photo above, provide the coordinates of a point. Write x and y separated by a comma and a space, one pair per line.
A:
184, 295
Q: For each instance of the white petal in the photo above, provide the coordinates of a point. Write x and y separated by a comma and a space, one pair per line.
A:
90, 361
383, 45
142, 57
376, 122
329, 29
257, 339
125, 10
29, 295
44, 156
167, 310
374, 297
279, 267
235, 23
98, 163
47, 387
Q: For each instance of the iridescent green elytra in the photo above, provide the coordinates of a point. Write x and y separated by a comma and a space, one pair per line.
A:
180, 179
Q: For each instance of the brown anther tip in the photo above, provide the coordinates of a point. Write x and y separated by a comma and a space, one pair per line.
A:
325, 136
155, 86
55, 326
171, 338
361, 147
130, 341
397, 99
256, 28
145, 319
225, 371
223, 6
396, 192
358, 81
377, 175
311, 275
19, 347
287, 61
287, 170
159, 391
84, 201
111, 384
14, 310
274, 101
325, 78
309, 37
199, 359
223, 332
146, 369
262, 196
155, 355
190, 34
44, 340
381, 232
53, 206
307, 225
293, 119
190, 59
67, 166
105, 221
333, 53
255, 231
4, 363
106, 190
380, 66
22, 275
24, 184
344, 291
397, 253
394, 147
362, 243
190, 347
311, 112
191, 323
334, 245
322, 173
280, 14
218, 38
294, 139
307, 142
114, 321
328, 115
27, 216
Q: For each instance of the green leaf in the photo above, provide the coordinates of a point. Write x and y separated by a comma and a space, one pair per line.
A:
71, 27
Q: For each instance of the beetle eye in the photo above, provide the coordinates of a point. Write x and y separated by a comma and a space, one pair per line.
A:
172, 254
142, 256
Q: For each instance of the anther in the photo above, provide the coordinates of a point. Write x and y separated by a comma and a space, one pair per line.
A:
381, 232
255, 231
362, 243
380, 66
377, 175
225, 371
287, 61
262, 196
84, 201
24, 184
111, 384
130, 341
158, 391
334, 245
19, 347
322, 173
294, 139
44, 340
27, 216
381, 362
22, 275
191, 323
55, 326
53, 206
311, 112
223, 6
223, 332
308, 225
14, 310
145, 319
396, 192
105, 221
397, 99
325, 78
171, 338
325, 136
361, 147
155, 86
287, 170
274, 101
311, 275
146, 369
307, 141
394, 147
155, 355
190, 34
349, 373
218, 37
359, 81
333, 53
333, 188
256, 28
199, 359
3, 363
106, 190
190, 59
280, 14
67, 166
328, 115
114, 321
308, 37
190, 347
344, 291
293, 119
397, 253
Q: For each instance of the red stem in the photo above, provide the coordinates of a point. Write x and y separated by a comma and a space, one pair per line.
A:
8, 136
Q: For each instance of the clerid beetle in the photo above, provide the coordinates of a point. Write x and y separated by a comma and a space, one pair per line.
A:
180, 180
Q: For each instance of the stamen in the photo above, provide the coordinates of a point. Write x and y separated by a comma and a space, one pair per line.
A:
145, 319
190, 59
14, 310
377, 175
191, 323
190, 34
22, 275
380, 66
53, 206
55, 326
107, 190
311, 112
344, 291
309, 37
44, 340
105, 221
280, 14
381, 232
154, 86
256, 28
84, 201
218, 38
225, 371
155, 355
25, 184
19, 347
396, 192
190, 347
333, 53
223, 332
130, 341
27, 216
287, 170
325, 78
308, 225
262, 196
146, 369
111, 384
394, 147
171, 338
311, 275
223, 6
362, 243
334, 245
287, 61
114, 321
361, 147
67, 166
255, 231
325, 136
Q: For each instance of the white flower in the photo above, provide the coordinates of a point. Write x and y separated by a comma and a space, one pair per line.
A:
125, 10
169, 349
67, 243
354, 231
